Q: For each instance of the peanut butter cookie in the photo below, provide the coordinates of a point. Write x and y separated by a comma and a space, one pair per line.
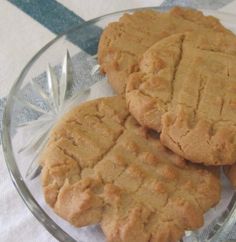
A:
185, 89
101, 166
123, 43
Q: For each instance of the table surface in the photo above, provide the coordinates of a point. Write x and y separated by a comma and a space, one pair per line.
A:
26, 26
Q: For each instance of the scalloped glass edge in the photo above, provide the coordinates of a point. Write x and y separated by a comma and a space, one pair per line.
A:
227, 218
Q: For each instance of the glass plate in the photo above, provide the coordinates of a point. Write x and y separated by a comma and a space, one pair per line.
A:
45, 89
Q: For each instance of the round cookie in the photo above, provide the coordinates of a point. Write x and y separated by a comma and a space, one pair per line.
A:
101, 166
185, 89
123, 43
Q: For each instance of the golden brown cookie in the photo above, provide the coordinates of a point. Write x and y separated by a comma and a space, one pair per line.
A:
185, 89
101, 166
123, 43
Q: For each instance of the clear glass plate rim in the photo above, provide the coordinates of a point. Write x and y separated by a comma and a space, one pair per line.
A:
14, 172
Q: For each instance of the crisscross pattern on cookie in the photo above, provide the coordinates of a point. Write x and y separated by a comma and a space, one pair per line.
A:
123, 43
101, 166
185, 89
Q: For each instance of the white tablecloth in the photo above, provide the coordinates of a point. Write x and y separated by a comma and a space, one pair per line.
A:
21, 36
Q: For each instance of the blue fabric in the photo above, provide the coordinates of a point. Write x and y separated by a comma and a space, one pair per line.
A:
202, 4
51, 14
59, 19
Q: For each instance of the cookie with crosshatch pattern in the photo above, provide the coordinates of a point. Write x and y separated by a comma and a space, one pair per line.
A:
101, 167
123, 43
185, 89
